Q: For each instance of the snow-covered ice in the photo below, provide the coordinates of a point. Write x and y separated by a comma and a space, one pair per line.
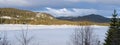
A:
49, 34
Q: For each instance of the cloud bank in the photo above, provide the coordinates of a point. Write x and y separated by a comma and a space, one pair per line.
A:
30, 3
10, 3
65, 7
98, 1
74, 12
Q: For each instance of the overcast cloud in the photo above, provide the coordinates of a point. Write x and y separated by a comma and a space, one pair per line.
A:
65, 7
26, 3
75, 12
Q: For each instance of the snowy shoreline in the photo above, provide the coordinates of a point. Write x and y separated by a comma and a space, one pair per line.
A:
31, 27
46, 25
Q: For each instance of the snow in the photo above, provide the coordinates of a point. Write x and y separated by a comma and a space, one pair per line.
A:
30, 18
6, 17
32, 27
49, 34
43, 15
38, 15
51, 17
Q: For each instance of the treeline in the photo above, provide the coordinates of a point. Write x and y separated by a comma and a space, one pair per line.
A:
16, 13
48, 22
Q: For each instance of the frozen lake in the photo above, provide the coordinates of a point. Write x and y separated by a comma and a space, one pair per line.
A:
48, 34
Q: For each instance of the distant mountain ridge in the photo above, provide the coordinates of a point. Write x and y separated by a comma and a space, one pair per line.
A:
91, 18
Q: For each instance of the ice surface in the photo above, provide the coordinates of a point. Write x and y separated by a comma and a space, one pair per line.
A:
48, 34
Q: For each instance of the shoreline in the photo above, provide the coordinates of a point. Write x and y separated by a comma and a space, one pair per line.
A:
40, 27
53, 25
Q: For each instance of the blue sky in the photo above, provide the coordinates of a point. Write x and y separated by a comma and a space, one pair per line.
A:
65, 7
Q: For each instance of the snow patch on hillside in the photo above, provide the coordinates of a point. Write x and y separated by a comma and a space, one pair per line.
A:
6, 17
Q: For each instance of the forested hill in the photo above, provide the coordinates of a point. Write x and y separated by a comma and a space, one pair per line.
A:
17, 16
11, 13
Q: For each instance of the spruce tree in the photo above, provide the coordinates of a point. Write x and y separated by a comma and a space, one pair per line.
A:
113, 37
118, 32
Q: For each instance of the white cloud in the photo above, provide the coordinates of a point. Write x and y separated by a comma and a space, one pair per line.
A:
73, 12
59, 12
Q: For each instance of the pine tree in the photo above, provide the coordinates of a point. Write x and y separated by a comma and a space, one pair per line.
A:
118, 31
113, 37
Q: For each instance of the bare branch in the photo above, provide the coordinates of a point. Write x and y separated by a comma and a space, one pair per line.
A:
4, 39
84, 36
24, 38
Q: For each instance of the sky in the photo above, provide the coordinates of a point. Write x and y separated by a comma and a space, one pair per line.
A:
65, 7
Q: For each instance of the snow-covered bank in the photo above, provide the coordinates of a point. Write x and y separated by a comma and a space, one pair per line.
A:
32, 27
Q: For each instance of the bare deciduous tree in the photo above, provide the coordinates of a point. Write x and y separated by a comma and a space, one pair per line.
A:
84, 36
4, 39
24, 38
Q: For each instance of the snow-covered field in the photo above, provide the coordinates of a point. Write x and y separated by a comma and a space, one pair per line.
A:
48, 34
